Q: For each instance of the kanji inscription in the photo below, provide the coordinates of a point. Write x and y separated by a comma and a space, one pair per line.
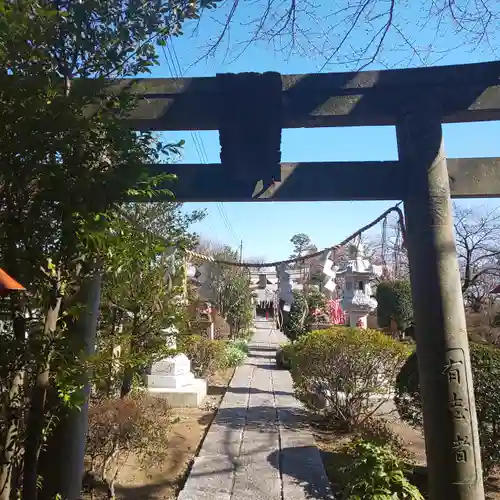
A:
462, 448
453, 370
458, 406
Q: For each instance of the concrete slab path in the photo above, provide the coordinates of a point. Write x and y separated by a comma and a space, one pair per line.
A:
258, 446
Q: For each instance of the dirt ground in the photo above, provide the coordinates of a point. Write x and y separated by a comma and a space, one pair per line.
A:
329, 443
183, 438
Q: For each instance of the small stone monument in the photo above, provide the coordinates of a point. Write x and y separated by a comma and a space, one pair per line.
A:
172, 379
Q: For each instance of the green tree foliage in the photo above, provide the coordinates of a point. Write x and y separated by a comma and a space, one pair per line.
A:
302, 245
67, 160
144, 287
485, 360
301, 318
234, 296
394, 302
294, 323
167, 221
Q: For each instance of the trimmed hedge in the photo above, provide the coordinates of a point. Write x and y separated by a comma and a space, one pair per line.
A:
206, 356
335, 371
485, 360
300, 319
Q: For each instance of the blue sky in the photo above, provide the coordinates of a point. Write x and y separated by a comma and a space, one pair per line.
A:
266, 228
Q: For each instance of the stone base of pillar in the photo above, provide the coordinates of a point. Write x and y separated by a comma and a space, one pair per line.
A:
172, 379
358, 319
189, 396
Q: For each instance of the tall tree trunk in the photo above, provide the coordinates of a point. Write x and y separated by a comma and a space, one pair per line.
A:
128, 375
36, 415
64, 471
11, 446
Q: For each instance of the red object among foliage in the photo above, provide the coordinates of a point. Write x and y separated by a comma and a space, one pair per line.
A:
337, 315
8, 284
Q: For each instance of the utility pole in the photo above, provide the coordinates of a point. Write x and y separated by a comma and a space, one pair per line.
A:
241, 251
450, 423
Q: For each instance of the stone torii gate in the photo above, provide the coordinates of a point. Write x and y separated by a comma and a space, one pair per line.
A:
250, 110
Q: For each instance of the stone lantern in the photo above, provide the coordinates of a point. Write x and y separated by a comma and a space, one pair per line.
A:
357, 298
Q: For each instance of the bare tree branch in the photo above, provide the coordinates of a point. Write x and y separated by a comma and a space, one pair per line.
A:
357, 32
478, 252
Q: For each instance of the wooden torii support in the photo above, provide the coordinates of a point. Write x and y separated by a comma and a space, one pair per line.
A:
249, 110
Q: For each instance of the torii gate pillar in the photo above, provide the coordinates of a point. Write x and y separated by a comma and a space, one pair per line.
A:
450, 423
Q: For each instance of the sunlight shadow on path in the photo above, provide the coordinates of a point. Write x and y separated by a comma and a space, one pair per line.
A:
258, 446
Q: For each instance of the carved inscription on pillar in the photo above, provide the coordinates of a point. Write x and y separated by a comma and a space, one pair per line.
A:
458, 406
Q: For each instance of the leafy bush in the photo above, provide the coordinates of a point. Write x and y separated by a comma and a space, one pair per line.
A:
284, 355
234, 354
343, 367
376, 473
246, 334
294, 324
241, 345
206, 356
485, 360
118, 427
377, 431
394, 301
316, 301
300, 319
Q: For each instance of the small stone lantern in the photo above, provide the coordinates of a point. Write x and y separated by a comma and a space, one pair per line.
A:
357, 298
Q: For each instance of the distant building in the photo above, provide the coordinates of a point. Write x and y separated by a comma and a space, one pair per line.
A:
265, 283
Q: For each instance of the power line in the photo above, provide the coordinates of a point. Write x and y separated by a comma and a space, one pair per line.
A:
344, 242
226, 221
199, 145
176, 71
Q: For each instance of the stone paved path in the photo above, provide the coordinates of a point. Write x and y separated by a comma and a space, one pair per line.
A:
257, 446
